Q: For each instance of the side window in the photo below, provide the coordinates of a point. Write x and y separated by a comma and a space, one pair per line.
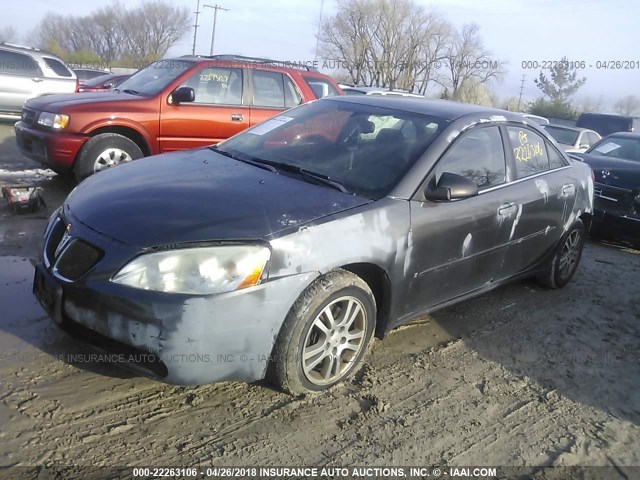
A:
529, 151
477, 155
216, 85
321, 88
57, 67
291, 96
593, 138
555, 158
18, 64
268, 89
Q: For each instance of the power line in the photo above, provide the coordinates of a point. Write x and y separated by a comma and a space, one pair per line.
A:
195, 29
215, 18
521, 89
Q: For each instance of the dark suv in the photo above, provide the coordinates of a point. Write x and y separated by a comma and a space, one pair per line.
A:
172, 104
606, 124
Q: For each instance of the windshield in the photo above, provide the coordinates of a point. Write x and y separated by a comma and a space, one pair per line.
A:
618, 147
152, 79
363, 149
565, 136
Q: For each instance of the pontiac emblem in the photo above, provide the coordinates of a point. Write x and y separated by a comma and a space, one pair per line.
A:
66, 237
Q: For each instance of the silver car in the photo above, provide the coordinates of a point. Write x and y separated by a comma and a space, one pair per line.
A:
573, 139
27, 73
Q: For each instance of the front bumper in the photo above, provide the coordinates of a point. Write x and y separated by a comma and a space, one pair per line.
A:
53, 149
175, 338
616, 211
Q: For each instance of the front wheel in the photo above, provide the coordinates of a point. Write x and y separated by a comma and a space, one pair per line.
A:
104, 151
566, 258
325, 335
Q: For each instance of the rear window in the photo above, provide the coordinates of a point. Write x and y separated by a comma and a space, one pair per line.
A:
321, 88
58, 67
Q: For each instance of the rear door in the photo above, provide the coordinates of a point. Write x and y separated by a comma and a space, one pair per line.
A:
19, 78
458, 246
271, 93
58, 78
544, 197
219, 111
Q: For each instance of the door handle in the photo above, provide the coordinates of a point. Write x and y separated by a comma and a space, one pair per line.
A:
568, 189
237, 117
506, 208
35, 79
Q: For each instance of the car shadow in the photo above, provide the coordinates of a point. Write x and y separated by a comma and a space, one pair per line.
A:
579, 341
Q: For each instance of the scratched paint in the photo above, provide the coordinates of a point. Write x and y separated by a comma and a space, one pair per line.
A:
466, 244
543, 188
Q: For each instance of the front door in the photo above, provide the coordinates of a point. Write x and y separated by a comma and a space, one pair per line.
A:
458, 246
218, 111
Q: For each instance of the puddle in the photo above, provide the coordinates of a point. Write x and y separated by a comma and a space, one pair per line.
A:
18, 306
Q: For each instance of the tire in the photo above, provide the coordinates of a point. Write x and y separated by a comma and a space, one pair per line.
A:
344, 294
104, 151
565, 259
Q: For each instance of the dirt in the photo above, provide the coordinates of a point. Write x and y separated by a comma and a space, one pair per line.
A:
522, 376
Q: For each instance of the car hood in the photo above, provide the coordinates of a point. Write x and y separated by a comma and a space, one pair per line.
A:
613, 171
58, 103
198, 195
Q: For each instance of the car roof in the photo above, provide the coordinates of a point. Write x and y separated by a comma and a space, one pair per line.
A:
446, 109
31, 50
632, 135
252, 62
569, 127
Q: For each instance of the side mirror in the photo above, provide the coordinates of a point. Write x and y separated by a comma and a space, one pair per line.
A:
451, 187
183, 95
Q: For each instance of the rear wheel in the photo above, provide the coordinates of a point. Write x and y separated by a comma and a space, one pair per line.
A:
566, 258
105, 151
325, 335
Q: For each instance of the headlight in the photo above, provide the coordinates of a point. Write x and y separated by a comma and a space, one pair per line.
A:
53, 120
199, 271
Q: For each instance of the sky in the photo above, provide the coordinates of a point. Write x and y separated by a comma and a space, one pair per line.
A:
516, 31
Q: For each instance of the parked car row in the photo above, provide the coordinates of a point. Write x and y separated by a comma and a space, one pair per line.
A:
172, 104
291, 238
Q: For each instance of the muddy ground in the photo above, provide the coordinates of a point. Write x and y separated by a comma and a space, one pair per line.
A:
522, 376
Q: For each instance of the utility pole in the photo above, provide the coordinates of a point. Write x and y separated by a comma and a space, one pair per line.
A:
521, 88
195, 29
215, 17
319, 27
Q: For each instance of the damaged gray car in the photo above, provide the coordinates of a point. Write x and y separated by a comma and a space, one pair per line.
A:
280, 252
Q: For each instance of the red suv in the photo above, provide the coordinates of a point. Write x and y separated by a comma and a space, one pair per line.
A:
172, 104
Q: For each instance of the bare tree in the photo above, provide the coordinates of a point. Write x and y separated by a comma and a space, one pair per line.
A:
8, 34
386, 43
467, 60
590, 105
115, 34
629, 105
153, 28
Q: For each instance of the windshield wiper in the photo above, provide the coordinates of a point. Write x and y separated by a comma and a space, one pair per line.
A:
131, 92
306, 174
275, 166
244, 159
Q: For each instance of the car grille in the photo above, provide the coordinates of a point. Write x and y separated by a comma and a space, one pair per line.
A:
29, 116
71, 257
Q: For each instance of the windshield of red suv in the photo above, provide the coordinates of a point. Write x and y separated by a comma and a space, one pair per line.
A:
356, 148
152, 79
